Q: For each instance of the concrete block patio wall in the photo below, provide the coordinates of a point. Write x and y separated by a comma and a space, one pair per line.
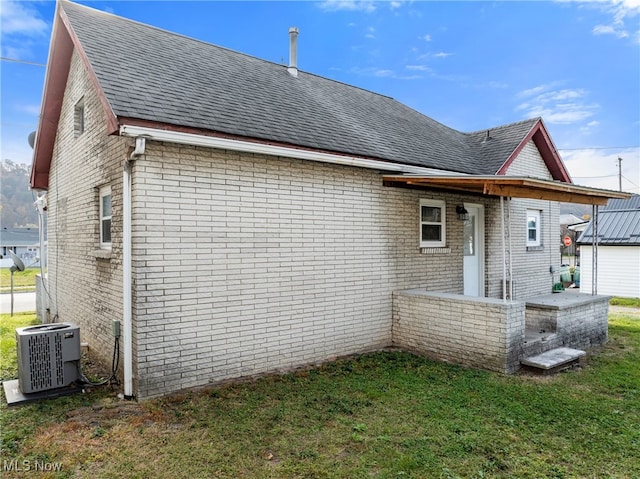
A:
479, 332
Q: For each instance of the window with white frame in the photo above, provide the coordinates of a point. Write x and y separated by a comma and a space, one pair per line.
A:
105, 217
432, 224
533, 228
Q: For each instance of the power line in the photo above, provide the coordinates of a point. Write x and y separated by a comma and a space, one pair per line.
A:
634, 184
592, 177
599, 148
13, 123
15, 60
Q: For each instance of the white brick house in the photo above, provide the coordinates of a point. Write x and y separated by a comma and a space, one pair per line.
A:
237, 241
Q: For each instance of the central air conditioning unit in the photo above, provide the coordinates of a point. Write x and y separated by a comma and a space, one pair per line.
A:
48, 356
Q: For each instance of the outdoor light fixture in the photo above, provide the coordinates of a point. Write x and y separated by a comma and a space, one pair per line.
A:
462, 212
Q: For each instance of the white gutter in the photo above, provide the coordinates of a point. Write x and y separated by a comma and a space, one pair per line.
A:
274, 150
127, 313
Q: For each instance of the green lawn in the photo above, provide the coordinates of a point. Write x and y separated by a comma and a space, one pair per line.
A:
22, 280
382, 415
629, 302
8, 325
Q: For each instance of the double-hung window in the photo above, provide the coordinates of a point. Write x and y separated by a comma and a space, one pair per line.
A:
105, 217
432, 224
533, 228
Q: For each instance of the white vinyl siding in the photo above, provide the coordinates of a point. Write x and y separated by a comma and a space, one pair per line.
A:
618, 268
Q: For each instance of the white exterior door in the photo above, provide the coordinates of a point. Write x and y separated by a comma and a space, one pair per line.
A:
473, 248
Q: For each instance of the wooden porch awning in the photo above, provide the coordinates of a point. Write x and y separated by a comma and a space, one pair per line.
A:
509, 186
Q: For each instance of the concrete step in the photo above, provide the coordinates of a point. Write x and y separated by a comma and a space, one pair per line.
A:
539, 341
553, 360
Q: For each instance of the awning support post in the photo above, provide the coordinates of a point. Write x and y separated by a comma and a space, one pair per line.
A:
504, 253
510, 258
594, 250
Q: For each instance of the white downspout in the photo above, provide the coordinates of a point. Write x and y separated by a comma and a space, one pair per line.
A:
127, 313
41, 203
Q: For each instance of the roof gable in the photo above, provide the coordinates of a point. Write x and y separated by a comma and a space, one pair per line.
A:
540, 136
147, 75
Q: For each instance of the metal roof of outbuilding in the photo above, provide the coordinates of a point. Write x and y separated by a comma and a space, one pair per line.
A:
618, 224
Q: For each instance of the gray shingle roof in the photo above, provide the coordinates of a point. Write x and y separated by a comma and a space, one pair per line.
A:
151, 74
618, 224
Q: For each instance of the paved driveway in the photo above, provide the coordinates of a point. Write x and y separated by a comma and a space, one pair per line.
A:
22, 302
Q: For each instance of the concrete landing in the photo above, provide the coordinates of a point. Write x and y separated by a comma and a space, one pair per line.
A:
14, 396
554, 360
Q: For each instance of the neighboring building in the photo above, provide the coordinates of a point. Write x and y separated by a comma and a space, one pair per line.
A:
567, 223
240, 216
618, 248
24, 242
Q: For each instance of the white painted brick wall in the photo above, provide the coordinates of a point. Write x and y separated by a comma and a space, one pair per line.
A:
247, 264
531, 267
529, 163
581, 324
83, 289
479, 332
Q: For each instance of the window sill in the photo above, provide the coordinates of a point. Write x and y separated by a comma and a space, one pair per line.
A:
535, 248
100, 254
435, 250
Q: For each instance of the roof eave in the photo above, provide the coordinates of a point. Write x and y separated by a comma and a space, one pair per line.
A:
63, 42
60, 51
509, 186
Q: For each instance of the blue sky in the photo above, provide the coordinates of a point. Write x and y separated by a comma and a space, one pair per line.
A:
469, 65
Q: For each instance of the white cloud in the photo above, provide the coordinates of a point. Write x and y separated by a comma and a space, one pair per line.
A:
421, 68
621, 13
564, 106
491, 84
599, 168
31, 109
610, 30
17, 150
383, 73
349, 5
442, 55
426, 38
18, 18
370, 33
538, 89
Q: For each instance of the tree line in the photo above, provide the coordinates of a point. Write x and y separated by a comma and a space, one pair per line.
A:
17, 207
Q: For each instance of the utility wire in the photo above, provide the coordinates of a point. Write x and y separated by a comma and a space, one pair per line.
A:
592, 177
600, 148
634, 184
15, 60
